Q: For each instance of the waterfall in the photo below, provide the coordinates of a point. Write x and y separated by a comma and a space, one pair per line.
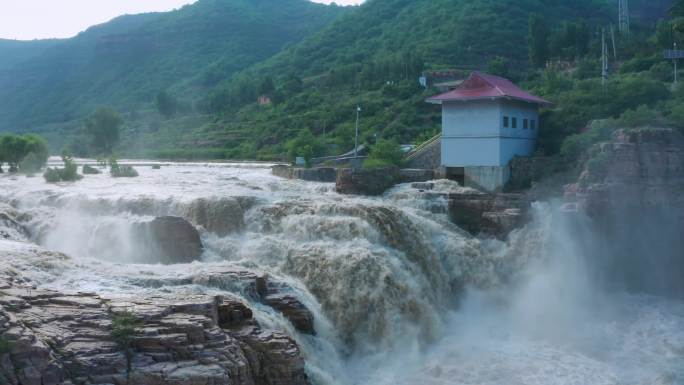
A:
399, 294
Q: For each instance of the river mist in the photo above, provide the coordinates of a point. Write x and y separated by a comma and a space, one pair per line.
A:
400, 295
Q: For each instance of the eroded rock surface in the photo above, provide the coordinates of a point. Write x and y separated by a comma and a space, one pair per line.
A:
632, 188
366, 181
54, 338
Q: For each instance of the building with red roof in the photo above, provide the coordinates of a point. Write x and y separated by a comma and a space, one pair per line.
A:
486, 121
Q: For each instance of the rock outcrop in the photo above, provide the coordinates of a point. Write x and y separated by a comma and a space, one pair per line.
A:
276, 297
638, 169
170, 240
221, 216
492, 214
50, 338
632, 189
317, 174
366, 181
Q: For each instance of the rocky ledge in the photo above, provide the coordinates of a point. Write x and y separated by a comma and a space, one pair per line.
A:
632, 189
49, 337
481, 213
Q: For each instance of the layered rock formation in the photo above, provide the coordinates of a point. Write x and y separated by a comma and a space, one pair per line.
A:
633, 189
479, 213
366, 181
491, 214
317, 174
48, 337
221, 216
638, 169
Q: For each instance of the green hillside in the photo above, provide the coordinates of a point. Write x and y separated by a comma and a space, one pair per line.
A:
13, 52
215, 59
373, 57
125, 63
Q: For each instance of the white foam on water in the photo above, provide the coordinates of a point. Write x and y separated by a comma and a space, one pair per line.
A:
400, 295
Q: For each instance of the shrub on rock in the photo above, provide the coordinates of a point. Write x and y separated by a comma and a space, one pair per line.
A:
119, 171
67, 174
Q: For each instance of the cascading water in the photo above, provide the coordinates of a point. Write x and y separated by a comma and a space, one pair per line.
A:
400, 294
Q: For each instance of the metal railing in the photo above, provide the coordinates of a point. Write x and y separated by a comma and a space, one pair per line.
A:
423, 146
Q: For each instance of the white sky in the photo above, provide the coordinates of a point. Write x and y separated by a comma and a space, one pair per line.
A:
41, 19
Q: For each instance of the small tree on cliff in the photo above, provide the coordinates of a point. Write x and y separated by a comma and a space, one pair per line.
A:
102, 127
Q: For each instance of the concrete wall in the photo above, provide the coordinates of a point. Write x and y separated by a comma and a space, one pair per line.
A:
429, 158
487, 178
465, 152
473, 133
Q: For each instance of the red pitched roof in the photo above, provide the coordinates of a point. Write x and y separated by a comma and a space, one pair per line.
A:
484, 86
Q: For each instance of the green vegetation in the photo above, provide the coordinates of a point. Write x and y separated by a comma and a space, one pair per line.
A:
27, 153
67, 174
385, 153
118, 171
125, 63
305, 145
292, 90
124, 326
102, 128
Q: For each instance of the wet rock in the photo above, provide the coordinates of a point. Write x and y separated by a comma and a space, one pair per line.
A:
632, 191
275, 295
318, 174
170, 240
66, 339
222, 216
292, 309
491, 214
366, 181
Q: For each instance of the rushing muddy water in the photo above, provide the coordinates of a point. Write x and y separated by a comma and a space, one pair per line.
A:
400, 295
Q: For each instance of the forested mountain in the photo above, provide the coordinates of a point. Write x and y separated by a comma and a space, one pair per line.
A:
252, 78
125, 63
13, 52
374, 55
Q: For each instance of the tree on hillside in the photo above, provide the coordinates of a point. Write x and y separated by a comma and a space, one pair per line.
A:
499, 66
305, 145
26, 153
103, 129
266, 87
538, 40
167, 104
385, 153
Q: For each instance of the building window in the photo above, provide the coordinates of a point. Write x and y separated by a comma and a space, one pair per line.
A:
505, 121
533, 124
526, 124
514, 122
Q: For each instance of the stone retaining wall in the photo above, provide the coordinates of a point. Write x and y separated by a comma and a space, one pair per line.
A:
319, 174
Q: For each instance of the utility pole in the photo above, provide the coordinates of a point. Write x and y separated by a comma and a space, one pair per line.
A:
612, 37
604, 59
623, 16
675, 55
356, 138
675, 64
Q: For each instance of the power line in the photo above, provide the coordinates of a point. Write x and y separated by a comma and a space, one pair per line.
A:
623, 16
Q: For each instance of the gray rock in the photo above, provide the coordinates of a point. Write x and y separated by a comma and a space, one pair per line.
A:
170, 240
366, 181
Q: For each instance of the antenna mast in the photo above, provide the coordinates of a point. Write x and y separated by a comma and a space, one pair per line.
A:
623, 16
604, 59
